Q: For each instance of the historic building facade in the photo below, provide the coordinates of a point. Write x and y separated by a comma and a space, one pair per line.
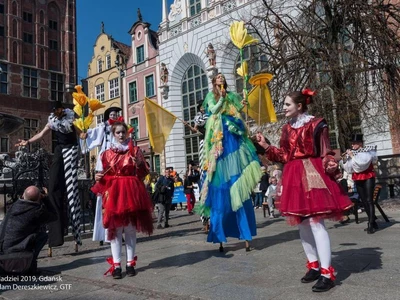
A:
186, 30
142, 79
105, 73
37, 61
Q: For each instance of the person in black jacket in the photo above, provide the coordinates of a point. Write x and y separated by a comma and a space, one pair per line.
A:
264, 182
22, 226
164, 194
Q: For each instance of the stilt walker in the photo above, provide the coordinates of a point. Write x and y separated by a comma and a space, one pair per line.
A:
63, 174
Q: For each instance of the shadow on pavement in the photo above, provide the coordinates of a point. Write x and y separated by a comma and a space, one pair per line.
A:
353, 261
185, 259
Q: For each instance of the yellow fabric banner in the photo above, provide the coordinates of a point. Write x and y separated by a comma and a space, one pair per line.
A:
159, 124
261, 108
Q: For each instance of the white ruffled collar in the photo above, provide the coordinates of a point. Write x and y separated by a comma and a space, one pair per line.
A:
300, 120
120, 148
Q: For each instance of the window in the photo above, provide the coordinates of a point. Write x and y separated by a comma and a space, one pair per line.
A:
135, 124
108, 61
53, 25
28, 38
99, 119
1, 30
57, 86
99, 66
30, 83
194, 90
27, 17
194, 7
53, 45
140, 54
114, 88
99, 90
132, 92
71, 47
1, 8
31, 127
3, 79
149, 86
157, 164
4, 144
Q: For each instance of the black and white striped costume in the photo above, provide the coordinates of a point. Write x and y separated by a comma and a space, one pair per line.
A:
200, 121
64, 178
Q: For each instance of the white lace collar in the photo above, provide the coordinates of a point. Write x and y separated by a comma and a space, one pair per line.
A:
300, 120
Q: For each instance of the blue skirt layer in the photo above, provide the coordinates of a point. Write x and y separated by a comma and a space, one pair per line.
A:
224, 222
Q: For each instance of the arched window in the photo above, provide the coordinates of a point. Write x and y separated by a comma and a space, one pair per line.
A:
41, 17
14, 8
194, 90
41, 59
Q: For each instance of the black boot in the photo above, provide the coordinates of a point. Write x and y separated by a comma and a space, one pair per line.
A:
370, 228
311, 276
323, 284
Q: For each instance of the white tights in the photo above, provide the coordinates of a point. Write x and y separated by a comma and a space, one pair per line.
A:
315, 241
130, 243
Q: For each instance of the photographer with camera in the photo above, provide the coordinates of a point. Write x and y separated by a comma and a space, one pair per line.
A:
22, 237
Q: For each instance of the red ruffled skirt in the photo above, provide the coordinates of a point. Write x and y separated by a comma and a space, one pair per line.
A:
308, 191
125, 200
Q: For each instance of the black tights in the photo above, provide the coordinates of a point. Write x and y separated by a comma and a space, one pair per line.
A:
365, 189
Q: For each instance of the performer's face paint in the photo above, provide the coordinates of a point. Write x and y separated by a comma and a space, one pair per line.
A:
291, 108
113, 115
120, 134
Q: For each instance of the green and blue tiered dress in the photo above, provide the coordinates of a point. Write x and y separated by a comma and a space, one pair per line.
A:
233, 170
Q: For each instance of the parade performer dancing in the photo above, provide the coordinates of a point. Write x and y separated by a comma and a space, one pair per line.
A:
232, 165
63, 175
102, 137
309, 190
359, 163
127, 206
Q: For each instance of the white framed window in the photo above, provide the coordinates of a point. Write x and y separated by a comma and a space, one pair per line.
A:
133, 92
108, 61
140, 54
113, 86
149, 81
194, 7
99, 66
99, 119
99, 90
134, 122
31, 127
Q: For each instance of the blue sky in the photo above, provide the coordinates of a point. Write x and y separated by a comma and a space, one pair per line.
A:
118, 17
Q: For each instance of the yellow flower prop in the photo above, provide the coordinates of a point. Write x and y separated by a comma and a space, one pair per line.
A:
239, 36
80, 101
243, 70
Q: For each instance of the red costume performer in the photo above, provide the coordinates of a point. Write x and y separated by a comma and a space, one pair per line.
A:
127, 207
125, 199
309, 191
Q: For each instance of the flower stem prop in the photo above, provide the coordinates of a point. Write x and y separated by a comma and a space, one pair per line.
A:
240, 38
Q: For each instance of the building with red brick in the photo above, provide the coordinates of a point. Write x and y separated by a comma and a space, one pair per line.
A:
38, 62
